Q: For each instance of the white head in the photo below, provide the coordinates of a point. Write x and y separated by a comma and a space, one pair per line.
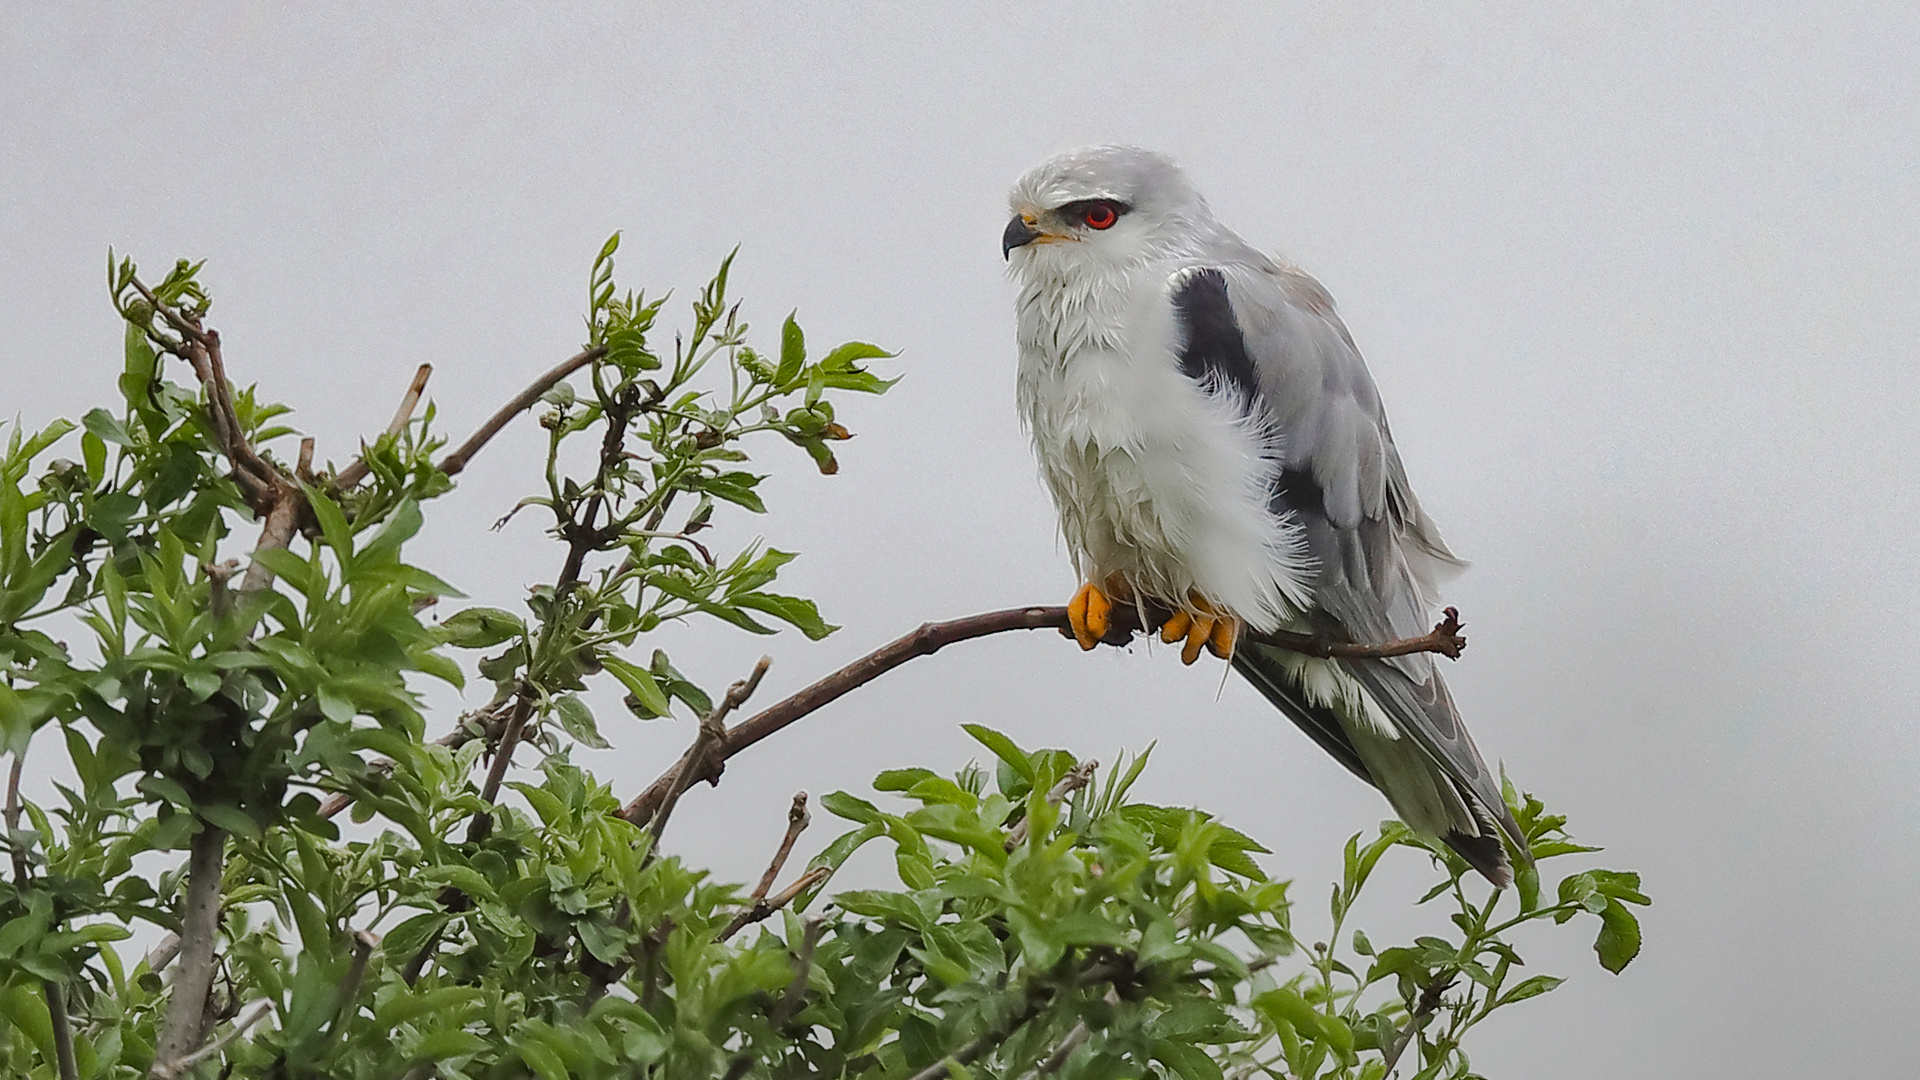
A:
1101, 208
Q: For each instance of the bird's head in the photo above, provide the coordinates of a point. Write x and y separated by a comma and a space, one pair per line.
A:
1102, 207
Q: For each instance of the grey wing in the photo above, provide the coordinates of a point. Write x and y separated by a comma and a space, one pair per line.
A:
1379, 556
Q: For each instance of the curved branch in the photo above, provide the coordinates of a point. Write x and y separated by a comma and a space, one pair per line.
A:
1445, 639
456, 461
359, 470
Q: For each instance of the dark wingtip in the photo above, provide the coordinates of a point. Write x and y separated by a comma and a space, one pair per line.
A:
1484, 853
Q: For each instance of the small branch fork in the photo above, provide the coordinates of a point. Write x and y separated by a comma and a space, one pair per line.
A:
759, 906
1422, 1009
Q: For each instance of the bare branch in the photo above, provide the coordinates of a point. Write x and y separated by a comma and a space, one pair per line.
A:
200, 926
277, 533
172, 1069
359, 470
709, 747
932, 637
1429, 1001
928, 639
802, 967
502, 758
364, 943
797, 821
456, 461
758, 906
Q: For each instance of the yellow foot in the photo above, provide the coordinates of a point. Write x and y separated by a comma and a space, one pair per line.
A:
1201, 627
1091, 615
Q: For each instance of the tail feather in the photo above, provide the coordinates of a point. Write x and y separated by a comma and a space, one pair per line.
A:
1420, 787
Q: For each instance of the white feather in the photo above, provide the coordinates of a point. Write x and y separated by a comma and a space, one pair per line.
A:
1160, 482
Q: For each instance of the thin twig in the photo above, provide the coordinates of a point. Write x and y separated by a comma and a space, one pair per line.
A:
710, 746
502, 758
172, 1069
360, 470
1429, 1001
757, 907
797, 821
1039, 996
456, 461
762, 910
802, 967
363, 946
1077, 777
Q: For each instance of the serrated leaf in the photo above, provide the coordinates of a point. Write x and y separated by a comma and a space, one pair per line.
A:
800, 613
1533, 987
900, 779
1003, 748
640, 683
577, 720
793, 354
480, 627
1619, 939
851, 807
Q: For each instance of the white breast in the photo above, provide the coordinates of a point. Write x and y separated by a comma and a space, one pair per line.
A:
1159, 482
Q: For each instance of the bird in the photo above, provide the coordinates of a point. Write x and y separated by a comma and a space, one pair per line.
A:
1217, 449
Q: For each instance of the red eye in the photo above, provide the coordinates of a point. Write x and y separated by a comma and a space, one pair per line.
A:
1101, 216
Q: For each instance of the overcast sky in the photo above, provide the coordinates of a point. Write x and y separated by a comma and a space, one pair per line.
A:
1638, 285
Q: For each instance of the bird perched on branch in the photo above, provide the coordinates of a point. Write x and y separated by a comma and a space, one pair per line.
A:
1217, 449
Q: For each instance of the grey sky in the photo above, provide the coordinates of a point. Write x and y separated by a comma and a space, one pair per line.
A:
1638, 285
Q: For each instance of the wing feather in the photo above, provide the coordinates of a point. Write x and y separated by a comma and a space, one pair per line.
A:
1379, 555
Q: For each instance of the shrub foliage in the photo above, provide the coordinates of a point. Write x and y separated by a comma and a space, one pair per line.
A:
266, 859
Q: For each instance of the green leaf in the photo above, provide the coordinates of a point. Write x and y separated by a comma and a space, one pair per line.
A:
94, 451
1533, 987
231, 818
480, 627
1003, 748
900, 779
333, 524
1619, 939
444, 1045
577, 720
845, 356
851, 807
1187, 1061
735, 487
639, 683
105, 426
793, 354
1526, 880
801, 613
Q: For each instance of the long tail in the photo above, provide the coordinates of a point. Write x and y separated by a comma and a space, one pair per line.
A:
1423, 790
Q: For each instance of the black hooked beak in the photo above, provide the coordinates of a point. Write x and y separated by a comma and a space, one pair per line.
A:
1018, 234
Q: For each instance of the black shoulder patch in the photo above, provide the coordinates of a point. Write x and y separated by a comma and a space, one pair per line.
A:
1211, 345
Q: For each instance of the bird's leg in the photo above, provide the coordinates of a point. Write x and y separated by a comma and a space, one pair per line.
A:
1090, 612
1202, 627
